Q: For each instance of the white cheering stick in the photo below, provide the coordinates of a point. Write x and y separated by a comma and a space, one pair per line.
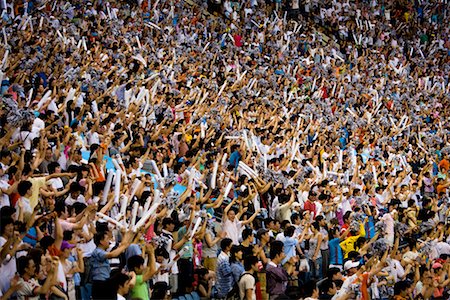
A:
224, 159
247, 169
214, 175
196, 226
265, 161
147, 203
374, 173
351, 112
155, 167
30, 95
228, 189
244, 133
110, 220
134, 213
5, 60
136, 185
222, 88
138, 42
314, 168
206, 47
165, 170
177, 257
44, 99
84, 44
123, 209
107, 186
117, 186
4, 36
146, 216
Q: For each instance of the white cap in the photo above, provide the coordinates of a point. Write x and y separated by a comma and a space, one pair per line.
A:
350, 264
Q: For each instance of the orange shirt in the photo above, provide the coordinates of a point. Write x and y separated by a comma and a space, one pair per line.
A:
444, 164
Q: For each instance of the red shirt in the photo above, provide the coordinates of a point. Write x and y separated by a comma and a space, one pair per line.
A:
310, 206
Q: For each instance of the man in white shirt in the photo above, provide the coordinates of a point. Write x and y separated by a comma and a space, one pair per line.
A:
247, 282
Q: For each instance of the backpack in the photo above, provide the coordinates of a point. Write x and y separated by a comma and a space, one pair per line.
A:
234, 293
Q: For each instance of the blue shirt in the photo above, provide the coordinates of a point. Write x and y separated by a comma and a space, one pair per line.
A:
370, 228
235, 157
336, 256
224, 275
237, 268
100, 268
289, 248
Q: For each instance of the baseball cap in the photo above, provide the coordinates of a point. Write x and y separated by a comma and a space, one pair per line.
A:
350, 264
296, 204
66, 245
437, 265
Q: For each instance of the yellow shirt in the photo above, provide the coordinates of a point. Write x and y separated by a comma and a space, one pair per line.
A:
349, 244
37, 182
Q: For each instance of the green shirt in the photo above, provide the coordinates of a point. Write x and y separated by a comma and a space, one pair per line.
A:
188, 254
140, 289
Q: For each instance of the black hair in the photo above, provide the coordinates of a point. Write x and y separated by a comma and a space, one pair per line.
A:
250, 261
22, 263
325, 286
276, 247
246, 233
5, 221
134, 262
401, 286
99, 236
234, 249
23, 187
225, 243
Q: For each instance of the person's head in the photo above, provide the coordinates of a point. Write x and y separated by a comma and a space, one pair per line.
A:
247, 234
231, 214
120, 283
289, 232
7, 227
269, 223
54, 167
161, 254
251, 263
277, 251
24, 188
225, 245
236, 253
136, 264
351, 267
328, 287
161, 290
66, 249
75, 190
5, 157
263, 235
295, 219
402, 288
168, 224
26, 266
321, 221
102, 238
334, 274
311, 289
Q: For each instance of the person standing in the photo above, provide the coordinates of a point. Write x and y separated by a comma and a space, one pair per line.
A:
277, 276
247, 281
223, 270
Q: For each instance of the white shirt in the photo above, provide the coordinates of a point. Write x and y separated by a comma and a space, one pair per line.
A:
233, 230
7, 269
26, 207
120, 297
